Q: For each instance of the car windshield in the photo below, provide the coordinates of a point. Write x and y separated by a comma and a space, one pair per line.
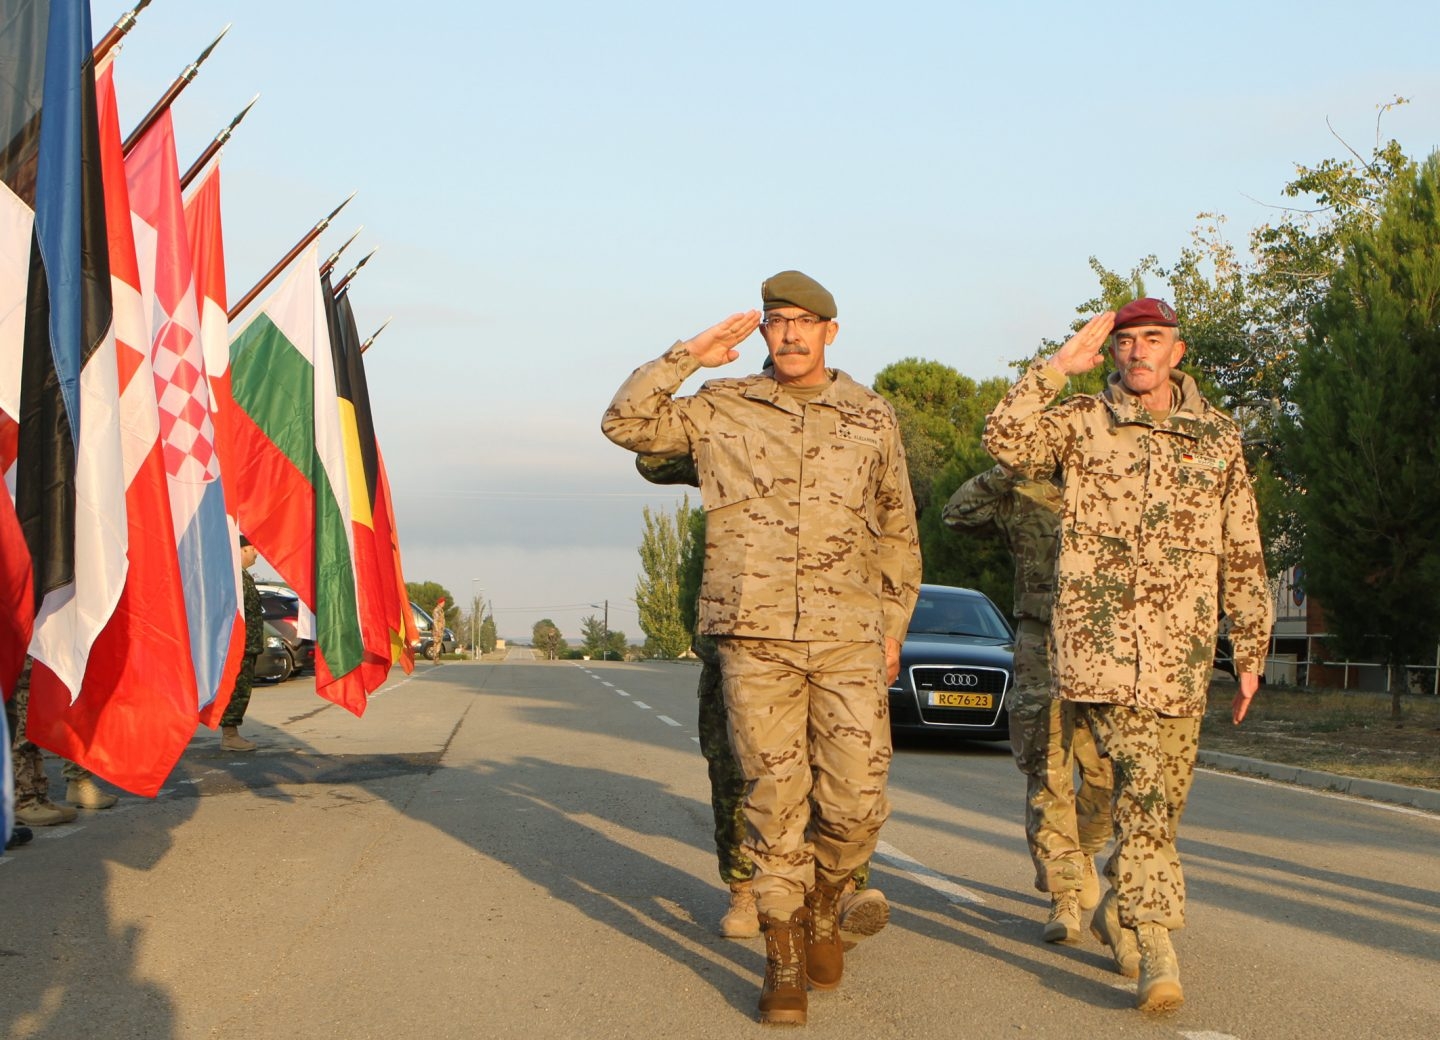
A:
957, 616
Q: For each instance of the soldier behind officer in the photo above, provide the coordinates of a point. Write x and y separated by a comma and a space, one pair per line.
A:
230, 738
811, 574
1159, 537
1064, 827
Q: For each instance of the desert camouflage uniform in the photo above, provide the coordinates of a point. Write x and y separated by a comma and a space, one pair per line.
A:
1063, 825
727, 783
254, 643
1159, 535
32, 786
811, 560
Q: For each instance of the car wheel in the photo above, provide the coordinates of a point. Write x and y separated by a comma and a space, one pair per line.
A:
289, 669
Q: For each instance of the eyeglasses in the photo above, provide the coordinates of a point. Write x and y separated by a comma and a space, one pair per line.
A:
805, 322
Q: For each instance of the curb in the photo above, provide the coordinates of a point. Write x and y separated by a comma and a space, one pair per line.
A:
1376, 790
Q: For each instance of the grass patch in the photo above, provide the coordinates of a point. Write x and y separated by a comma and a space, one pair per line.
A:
1336, 731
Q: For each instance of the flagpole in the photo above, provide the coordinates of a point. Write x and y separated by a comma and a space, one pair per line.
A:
334, 258
122, 25
340, 285
215, 145
366, 345
284, 261
171, 93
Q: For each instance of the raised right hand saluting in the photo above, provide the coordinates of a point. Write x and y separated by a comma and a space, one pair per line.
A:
716, 345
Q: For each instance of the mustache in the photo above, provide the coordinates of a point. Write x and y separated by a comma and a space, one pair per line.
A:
797, 349
1143, 366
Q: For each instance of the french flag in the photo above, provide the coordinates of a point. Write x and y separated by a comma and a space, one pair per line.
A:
136, 710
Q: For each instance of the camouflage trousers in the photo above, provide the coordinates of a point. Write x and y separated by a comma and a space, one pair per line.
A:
1153, 757
32, 786
727, 783
1063, 823
810, 727
240, 698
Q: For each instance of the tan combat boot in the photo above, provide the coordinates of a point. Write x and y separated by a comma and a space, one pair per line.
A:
824, 949
231, 740
783, 1000
1064, 923
864, 912
1159, 988
86, 793
44, 814
741, 921
1089, 884
1106, 927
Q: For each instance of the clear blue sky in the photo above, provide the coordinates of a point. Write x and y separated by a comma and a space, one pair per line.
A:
561, 190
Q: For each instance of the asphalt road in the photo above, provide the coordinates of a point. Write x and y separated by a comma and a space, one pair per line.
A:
522, 850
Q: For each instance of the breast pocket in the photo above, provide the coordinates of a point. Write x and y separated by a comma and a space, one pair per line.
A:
1196, 506
851, 460
732, 468
1104, 495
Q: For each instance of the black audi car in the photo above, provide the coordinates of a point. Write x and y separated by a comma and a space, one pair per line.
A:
956, 667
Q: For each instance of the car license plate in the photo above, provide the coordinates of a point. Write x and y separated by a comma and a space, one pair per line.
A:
949, 699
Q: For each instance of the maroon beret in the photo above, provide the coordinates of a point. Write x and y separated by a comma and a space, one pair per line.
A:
1147, 311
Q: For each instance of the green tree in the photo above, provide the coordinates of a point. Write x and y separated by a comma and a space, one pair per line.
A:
546, 638
487, 633
429, 593
692, 569
941, 415
657, 592
1364, 438
592, 635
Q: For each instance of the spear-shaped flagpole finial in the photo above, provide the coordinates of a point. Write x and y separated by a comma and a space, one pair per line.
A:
122, 25
342, 283
171, 93
194, 66
215, 145
366, 345
334, 258
326, 222
284, 261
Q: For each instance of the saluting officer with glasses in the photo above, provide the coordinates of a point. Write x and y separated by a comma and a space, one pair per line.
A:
812, 569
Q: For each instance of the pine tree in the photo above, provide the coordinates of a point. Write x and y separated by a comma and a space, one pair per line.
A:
1366, 437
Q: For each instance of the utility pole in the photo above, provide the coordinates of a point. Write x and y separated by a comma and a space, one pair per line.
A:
605, 648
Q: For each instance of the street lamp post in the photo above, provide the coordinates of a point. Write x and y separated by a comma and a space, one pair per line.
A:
475, 607
605, 638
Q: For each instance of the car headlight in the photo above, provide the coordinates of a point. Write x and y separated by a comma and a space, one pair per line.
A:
273, 642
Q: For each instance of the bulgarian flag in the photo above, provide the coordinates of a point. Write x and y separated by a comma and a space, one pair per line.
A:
136, 709
290, 469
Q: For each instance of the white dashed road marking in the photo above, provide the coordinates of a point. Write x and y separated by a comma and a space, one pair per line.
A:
929, 878
669, 721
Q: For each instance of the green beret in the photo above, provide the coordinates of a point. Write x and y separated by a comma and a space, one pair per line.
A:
793, 289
